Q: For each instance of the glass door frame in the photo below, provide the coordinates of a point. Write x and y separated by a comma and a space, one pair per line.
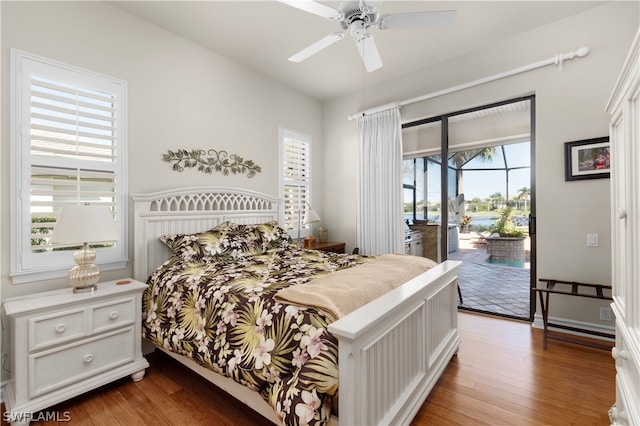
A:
444, 181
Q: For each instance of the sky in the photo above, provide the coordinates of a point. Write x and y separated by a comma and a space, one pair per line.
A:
484, 183
481, 184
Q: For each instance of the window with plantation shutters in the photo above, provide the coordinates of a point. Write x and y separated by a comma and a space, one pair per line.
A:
68, 141
295, 178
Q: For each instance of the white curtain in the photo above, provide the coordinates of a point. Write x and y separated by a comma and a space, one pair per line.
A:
379, 223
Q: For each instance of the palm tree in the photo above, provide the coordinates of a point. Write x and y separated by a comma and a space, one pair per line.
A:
524, 194
496, 198
476, 204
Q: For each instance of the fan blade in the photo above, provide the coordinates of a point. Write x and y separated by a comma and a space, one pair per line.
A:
315, 8
369, 52
316, 47
417, 20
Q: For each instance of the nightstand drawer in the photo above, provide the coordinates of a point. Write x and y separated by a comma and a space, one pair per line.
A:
57, 328
113, 315
60, 367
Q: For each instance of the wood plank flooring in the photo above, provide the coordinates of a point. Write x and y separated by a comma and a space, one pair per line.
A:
501, 376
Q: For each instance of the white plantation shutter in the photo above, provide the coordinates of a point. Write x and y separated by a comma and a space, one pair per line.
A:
71, 122
68, 140
296, 179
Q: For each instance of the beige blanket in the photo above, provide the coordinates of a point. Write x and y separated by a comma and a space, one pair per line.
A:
344, 291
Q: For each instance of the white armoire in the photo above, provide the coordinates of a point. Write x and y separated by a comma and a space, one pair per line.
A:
624, 131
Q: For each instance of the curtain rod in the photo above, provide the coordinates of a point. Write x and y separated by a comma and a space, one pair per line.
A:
557, 59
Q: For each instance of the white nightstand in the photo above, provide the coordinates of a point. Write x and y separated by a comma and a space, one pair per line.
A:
64, 344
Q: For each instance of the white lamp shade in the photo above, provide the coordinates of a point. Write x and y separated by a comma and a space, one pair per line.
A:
311, 217
84, 223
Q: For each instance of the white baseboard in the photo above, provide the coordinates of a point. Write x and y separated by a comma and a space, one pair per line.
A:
538, 323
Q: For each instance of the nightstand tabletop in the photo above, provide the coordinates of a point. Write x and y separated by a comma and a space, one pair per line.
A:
46, 299
336, 247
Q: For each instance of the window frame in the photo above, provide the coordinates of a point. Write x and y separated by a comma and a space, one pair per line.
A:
26, 265
285, 134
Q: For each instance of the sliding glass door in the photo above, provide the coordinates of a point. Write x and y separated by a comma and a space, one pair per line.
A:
464, 172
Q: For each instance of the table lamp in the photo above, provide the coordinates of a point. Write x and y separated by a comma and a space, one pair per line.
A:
311, 217
84, 223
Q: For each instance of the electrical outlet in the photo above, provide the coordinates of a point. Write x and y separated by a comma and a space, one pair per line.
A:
605, 314
592, 240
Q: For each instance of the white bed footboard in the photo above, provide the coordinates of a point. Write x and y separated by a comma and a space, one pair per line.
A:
393, 350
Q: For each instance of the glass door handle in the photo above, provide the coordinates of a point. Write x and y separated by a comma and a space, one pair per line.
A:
532, 225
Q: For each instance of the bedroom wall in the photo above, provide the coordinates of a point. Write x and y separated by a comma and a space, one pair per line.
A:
570, 106
180, 96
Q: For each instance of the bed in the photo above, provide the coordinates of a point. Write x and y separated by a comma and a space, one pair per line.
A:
390, 352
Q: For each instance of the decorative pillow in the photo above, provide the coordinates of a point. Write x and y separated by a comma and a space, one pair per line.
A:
266, 236
186, 245
229, 240
273, 236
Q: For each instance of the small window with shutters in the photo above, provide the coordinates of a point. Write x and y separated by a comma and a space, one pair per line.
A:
295, 180
68, 141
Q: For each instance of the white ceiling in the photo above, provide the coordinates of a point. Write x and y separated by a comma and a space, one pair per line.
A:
263, 34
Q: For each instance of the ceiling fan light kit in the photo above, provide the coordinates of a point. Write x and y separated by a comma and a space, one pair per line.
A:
369, 52
357, 17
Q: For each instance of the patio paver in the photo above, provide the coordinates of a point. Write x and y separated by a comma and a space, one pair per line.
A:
488, 287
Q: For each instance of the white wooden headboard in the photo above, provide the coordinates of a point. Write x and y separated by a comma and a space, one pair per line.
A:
190, 210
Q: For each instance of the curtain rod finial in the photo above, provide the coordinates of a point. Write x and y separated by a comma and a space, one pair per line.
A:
582, 52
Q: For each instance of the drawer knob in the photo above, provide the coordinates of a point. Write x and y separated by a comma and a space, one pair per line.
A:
113, 315
60, 328
622, 213
619, 354
88, 358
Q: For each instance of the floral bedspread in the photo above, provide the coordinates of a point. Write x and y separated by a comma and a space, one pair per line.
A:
223, 315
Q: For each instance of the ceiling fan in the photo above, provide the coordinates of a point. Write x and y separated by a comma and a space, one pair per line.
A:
357, 17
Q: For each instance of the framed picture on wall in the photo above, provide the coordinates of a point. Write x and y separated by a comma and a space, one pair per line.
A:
587, 159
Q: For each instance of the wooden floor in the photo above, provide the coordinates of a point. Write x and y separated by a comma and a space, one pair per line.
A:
501, 376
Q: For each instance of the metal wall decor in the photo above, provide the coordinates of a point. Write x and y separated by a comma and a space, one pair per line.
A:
210, 161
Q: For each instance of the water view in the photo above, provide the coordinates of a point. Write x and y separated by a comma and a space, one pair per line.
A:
480, 222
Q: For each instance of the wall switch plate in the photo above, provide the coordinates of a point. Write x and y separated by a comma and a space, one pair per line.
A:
605, 314
592, 240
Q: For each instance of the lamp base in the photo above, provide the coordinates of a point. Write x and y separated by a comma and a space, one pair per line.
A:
310, 241
84, 276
